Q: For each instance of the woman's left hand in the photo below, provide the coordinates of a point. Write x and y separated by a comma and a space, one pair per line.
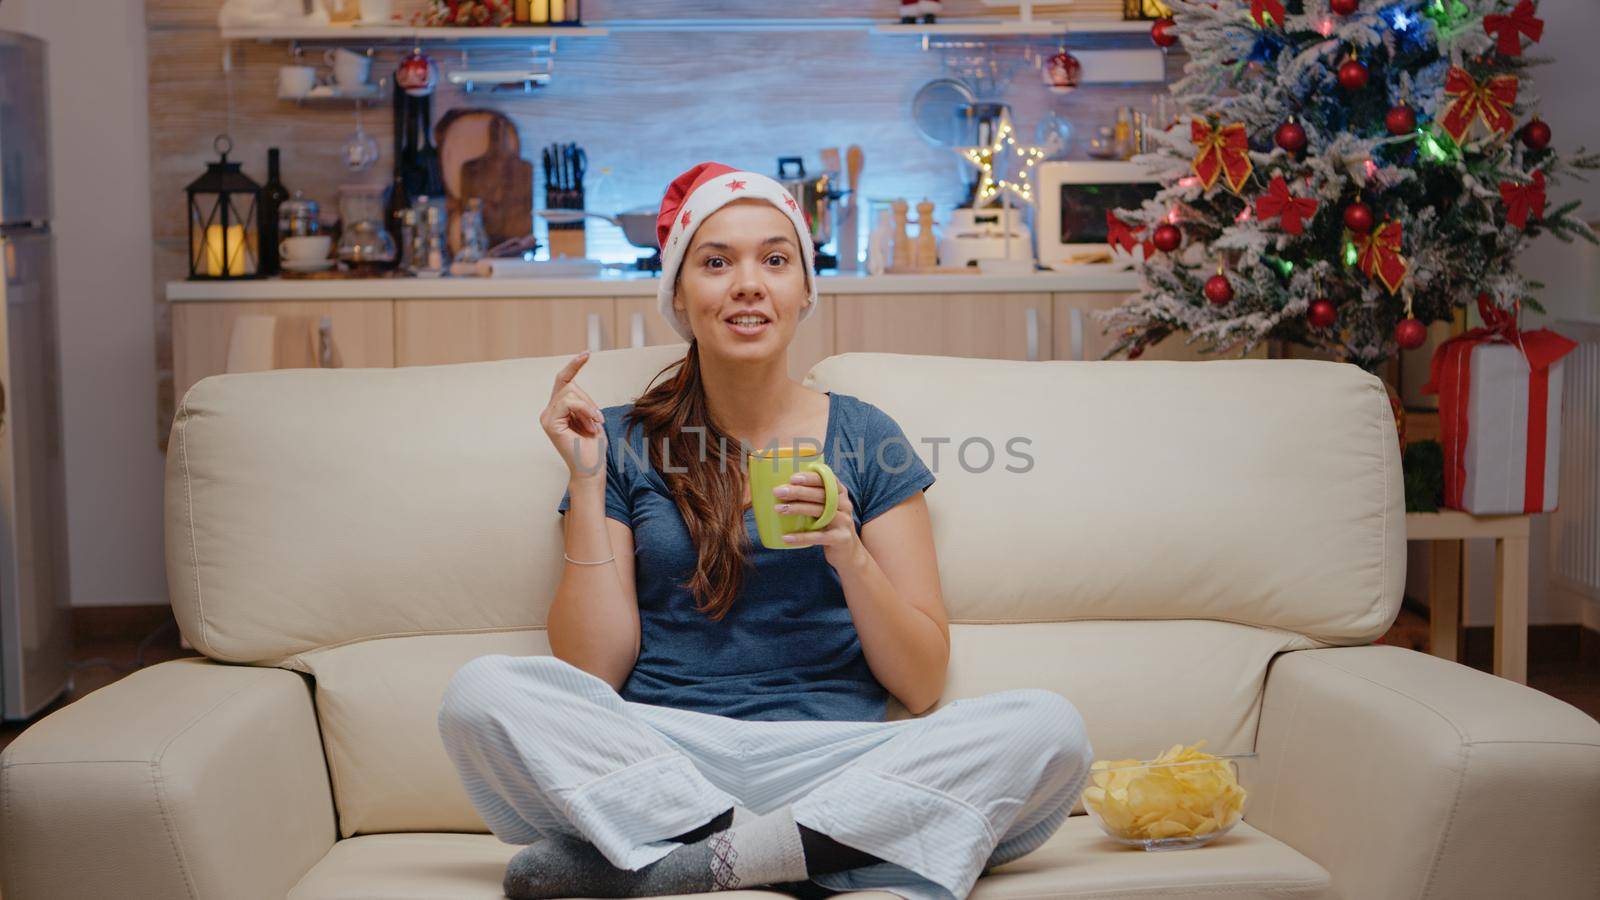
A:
804, 495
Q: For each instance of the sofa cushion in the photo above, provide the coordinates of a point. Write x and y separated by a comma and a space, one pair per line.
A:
1266, 492
1141, 687
1077, 861
308, 508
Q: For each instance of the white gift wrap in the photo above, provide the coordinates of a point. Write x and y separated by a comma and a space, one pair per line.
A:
1496, 451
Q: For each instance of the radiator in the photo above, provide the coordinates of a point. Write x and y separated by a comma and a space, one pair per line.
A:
1575, 524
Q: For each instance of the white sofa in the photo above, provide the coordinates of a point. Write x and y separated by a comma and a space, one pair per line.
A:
1200, 550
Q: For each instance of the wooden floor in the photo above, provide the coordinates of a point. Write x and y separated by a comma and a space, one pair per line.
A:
1563, 661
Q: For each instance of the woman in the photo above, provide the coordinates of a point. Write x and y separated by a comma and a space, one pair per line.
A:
713, 712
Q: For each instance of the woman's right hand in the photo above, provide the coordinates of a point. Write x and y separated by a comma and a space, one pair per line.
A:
574, 423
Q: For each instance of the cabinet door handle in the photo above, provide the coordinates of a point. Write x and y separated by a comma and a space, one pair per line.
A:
1077, 333
594, 332
637, 328
325, 342
1033, 333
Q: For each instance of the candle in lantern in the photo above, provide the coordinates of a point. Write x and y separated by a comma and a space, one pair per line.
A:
558, 11
235, 251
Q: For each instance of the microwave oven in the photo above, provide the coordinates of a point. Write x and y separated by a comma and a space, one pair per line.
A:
1073, 197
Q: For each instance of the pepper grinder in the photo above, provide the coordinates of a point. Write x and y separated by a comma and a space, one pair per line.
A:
926, 251
902, 241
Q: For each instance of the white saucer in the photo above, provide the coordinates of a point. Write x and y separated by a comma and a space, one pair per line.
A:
316, 265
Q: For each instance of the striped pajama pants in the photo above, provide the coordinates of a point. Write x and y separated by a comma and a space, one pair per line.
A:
543, 747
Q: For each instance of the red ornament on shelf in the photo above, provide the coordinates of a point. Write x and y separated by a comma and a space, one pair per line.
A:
1345, 7
1358, 218
1167, 238
1322, 313
417, 75
1353, 75
1400, 120
1410, 333
1291, 136
1161, 33
1536, 134
1219, 290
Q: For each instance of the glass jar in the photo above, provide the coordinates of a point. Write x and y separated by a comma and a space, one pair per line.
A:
363, 239
474, 240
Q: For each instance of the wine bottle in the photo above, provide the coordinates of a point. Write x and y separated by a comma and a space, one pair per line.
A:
398, 198
268, 232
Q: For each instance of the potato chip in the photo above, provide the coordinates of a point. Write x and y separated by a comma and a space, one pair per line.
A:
1182, 793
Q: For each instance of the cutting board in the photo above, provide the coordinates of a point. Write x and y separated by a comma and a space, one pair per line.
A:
463, 136
505, 182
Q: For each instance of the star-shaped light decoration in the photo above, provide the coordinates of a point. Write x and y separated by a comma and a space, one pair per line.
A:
1003, 153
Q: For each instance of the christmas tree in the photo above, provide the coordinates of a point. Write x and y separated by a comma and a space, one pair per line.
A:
1343, 172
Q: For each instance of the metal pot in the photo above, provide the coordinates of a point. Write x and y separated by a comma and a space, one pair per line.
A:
815, 195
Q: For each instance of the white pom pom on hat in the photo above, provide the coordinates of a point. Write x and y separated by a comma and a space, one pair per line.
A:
695, 195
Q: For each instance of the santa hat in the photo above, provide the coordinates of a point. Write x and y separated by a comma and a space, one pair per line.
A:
694, 196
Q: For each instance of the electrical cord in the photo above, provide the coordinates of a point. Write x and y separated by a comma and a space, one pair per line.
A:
138, 656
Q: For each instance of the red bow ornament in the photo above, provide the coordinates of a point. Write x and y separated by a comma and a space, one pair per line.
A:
1260, 9
1278, 202
1451, 378
1380, 255
1120, 234
1523, 200
1223, 151
1508, 30
1491, 100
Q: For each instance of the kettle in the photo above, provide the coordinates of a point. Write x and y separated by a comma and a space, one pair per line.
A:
816, 197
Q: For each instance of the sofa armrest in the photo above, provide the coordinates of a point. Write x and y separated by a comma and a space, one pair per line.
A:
1408, 776
185, 779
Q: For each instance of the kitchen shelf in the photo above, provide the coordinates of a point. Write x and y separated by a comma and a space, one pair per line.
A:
957, 27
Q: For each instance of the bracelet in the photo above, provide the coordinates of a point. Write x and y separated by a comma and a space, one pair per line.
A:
595, 563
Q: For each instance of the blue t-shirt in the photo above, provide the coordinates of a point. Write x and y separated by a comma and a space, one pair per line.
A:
788, 648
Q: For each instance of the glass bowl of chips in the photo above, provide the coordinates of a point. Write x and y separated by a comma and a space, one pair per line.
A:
1183, 798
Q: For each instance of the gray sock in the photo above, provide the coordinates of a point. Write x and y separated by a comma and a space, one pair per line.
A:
759, 850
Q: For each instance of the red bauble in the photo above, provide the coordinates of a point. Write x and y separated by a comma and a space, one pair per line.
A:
1161, 33
1291, 137
1219, 290
1400, 120
1166, 238
1345, 7
1322, 313
1536, 134
1410, 333
1353, 75
1358, 218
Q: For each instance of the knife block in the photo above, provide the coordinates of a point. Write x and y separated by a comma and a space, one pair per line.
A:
568, 239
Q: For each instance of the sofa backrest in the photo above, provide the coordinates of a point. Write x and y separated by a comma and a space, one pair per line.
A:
1181, 523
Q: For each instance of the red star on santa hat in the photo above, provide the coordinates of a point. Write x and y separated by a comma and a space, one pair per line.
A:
735, 185
790, 201
686, 218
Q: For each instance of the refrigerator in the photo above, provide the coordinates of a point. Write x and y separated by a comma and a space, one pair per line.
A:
35, 609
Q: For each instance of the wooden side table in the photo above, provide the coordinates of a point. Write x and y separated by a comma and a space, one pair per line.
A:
1446, 530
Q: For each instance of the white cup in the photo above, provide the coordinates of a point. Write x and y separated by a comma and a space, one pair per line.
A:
296, 81
305, 248
350, 70
377, 12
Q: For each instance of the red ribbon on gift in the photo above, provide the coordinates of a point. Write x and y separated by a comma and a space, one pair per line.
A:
1380, 255
1450, 376
1120, 234
1260, 9
1509, 29
1491, 100
1523, 200
1293, 211
1225, 150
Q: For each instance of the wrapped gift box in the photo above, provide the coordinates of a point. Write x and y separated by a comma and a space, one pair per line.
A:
1500, 415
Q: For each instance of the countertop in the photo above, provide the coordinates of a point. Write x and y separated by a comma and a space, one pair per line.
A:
622, 283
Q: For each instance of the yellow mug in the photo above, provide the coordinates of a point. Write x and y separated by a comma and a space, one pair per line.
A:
772, 468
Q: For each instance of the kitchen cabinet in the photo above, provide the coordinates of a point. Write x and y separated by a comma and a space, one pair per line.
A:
1077, 335
991, 326
639, 325
362, 332
434, 332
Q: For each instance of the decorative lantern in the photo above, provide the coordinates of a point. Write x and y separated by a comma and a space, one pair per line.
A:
223, 242
1145, 9
548, 12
